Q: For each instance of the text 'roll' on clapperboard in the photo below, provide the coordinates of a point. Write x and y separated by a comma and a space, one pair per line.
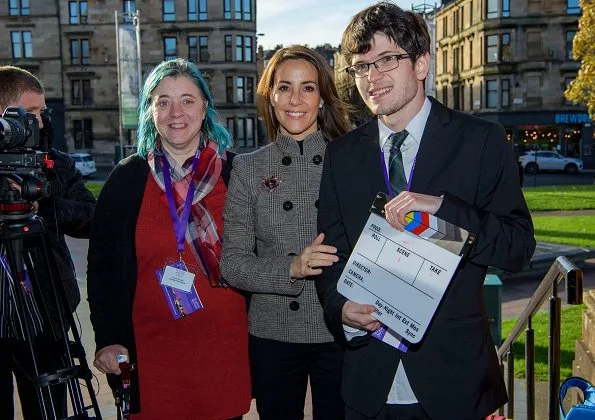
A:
403, 274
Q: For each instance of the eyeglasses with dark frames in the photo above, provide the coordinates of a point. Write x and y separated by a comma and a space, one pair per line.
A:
383, 64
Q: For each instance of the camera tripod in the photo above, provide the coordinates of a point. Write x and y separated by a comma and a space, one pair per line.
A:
31, 263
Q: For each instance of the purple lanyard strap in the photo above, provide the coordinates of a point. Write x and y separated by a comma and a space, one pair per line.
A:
386, 178
180, 223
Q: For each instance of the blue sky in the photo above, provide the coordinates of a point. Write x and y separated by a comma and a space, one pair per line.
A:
311, 22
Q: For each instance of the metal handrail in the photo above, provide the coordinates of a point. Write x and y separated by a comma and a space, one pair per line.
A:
562, 268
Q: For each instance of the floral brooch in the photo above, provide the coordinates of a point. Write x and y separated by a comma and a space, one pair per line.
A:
271, 183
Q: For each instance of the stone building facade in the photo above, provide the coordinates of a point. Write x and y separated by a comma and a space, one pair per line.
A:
23, 30
511, 61
71, 47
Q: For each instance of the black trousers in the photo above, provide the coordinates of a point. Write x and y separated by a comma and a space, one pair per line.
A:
280, 374
391, 412
15, 357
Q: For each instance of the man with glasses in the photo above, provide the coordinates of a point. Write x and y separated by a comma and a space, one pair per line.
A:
428, 158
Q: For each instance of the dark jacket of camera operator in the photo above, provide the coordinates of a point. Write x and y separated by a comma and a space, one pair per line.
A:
67, 211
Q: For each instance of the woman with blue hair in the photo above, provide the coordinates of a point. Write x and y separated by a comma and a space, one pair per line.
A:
155, 289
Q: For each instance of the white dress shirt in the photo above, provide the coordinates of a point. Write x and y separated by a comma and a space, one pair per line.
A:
400, 392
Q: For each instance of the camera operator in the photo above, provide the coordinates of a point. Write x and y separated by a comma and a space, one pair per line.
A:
68, 210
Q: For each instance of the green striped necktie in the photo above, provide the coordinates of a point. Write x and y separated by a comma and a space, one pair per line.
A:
396, 171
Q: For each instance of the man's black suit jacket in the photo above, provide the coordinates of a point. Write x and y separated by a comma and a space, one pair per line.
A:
454, 371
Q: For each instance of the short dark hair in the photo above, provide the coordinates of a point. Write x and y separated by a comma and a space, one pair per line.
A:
14, 81
407, 29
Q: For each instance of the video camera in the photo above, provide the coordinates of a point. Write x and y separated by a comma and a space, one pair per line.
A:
18, 129
22, 161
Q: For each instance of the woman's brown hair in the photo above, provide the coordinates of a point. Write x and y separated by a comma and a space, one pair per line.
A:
332, 117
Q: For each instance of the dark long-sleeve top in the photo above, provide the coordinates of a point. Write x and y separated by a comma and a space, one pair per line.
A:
68, 211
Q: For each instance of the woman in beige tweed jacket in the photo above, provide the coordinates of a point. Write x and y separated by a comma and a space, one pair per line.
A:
270, 245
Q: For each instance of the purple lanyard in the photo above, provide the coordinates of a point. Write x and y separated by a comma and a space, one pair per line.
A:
180, 223
386, 179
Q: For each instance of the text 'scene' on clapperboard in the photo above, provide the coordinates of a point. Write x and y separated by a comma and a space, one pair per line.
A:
403, 274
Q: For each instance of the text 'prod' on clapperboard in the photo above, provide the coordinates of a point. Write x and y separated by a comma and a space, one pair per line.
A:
403, 274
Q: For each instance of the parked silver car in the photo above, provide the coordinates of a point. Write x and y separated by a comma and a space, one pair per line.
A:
535, 161
84, 163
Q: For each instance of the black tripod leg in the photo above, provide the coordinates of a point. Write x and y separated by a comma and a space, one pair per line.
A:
14, 256
26, 244
76, 347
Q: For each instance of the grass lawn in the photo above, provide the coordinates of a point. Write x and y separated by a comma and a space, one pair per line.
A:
571, 331
94, 187
569, 230
560, 197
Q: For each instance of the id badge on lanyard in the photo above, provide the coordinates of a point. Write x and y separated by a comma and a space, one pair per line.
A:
178, 287
175, 278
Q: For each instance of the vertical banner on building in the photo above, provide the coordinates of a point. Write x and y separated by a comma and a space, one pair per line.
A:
128, 75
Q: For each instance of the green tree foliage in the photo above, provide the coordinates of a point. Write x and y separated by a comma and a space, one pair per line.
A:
582, 89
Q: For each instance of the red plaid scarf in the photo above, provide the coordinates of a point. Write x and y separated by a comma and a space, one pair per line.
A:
201, 235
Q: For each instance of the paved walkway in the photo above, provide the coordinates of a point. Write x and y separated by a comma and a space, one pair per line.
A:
516, 294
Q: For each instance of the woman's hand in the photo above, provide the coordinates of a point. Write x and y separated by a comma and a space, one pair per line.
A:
312, 257
106, 358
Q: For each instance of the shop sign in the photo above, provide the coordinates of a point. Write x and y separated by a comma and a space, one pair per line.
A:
572, 118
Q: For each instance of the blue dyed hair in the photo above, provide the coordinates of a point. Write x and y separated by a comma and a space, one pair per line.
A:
211, 126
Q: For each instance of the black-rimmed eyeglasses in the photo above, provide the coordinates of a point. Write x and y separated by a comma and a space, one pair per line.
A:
386, 63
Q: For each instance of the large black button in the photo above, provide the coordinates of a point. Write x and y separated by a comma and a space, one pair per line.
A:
288, 205
291, 254
317, 159
286, 160
294, 305
316, 203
